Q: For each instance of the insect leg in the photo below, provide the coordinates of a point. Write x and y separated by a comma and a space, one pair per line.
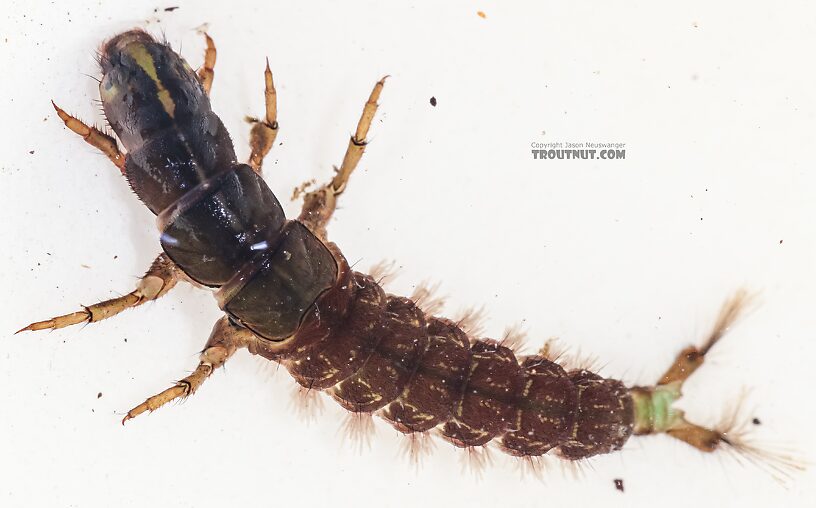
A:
358, 141
93, 136
159, 279
263, 133
319, 205
225, 339
207, 71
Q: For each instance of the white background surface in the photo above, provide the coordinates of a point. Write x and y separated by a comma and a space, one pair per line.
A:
627, 260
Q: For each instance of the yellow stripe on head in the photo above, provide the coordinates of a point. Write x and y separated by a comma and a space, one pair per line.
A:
145, 60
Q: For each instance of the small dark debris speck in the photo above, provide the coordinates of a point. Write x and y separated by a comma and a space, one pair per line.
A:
31, 152
99, 395
619, 484
170, 9
433, 101
780, 242
756, 421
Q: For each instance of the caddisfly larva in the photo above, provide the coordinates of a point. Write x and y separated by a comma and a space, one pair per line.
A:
289, 295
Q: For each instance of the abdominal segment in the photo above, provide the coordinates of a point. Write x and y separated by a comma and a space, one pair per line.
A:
421, 372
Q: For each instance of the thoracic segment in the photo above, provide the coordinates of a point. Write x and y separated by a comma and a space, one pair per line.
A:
382, 354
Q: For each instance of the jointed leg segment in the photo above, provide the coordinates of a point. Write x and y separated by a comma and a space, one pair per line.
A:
319, 205
357, 142
159, 279
225, 339
206, 73
211, 359
94, 137
263, 133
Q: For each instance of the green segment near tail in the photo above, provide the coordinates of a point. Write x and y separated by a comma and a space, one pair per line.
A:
653, 408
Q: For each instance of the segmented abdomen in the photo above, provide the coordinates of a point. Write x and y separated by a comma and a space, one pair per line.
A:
380, 352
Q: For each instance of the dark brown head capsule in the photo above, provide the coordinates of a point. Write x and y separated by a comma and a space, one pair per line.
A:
158, 108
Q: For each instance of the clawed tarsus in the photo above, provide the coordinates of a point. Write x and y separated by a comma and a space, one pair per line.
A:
358, 141
225, 339
319, 205
263, 133
105, 143
159, 279
181, 389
